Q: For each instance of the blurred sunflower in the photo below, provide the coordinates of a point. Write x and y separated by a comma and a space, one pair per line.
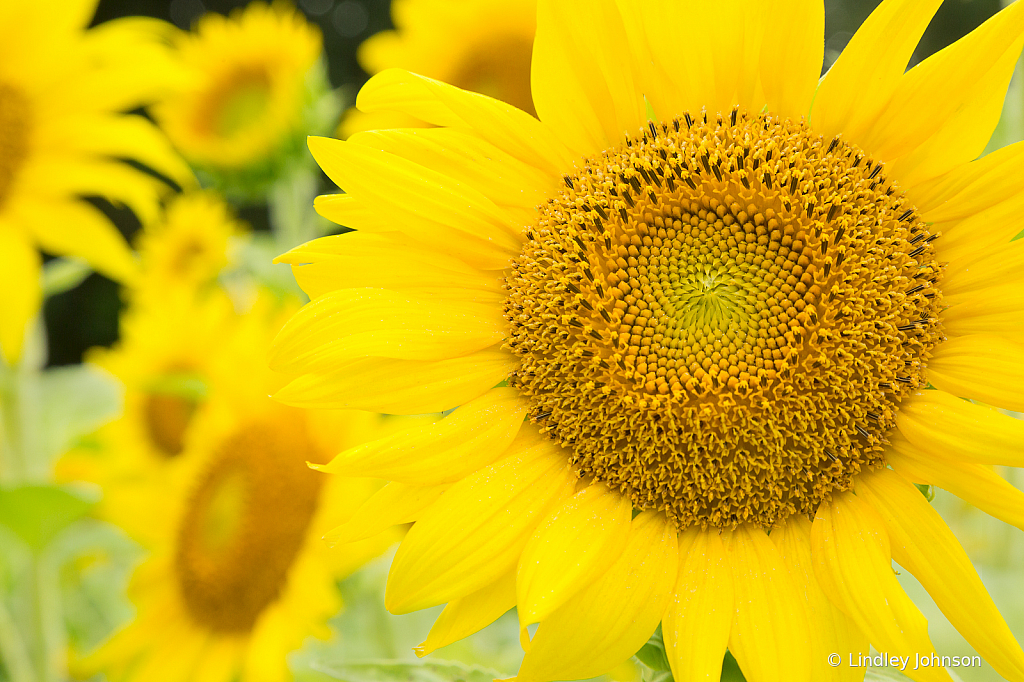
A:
63, 136
186, 252
721, 308
241, 106
170, 349
167, 359
478, 45
239, 575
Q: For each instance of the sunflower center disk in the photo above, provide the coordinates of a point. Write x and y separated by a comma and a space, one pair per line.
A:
239, 102
244, 525
167, 418
720, 317
14, 132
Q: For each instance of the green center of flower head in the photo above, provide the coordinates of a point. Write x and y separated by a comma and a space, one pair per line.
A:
720, 317
237, 104
14, 131
244, 524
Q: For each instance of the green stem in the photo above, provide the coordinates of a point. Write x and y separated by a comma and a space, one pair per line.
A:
13, 651
52, 637
291, 207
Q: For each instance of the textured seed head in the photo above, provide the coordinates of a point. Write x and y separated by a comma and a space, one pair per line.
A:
720, 317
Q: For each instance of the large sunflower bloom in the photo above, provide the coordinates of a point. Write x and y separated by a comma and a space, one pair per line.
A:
62, 93
735, 314
480, 45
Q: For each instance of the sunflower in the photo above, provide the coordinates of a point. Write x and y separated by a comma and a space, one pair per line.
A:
171, 349
167, 360
238, 575
62, 137
741, 328
188, 249
479, 45
241, 103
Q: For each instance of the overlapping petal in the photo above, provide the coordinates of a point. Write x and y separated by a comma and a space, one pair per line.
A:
607, 622
476, 531
922, 543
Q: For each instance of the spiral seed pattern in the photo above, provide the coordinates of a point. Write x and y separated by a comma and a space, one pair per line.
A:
720, 317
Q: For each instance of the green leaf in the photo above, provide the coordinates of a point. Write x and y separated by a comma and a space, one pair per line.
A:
75, 401
37, 513
652, 654
731, 669
407, 671
63, 274
926, 490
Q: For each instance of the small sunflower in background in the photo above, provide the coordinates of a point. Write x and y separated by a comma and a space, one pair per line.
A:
169, 353
725, 313
63, 136
238, 574
167, 361
479, 45
254, 86
185, 252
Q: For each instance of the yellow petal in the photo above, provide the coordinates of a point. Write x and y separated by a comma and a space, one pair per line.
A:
400, 386
472, 437
862, 80
923, 544
507, 128
127, 137
361, 259
995, 310
220, 661
979, 234
699, 616
19, 280
980, 366
346, 210
1003, 264
792, 53
972, 187
853, 564
966, 133
347, 324
973, 72
575, 544
115, 181
607, 622
831, 631
970, 481
394, 504
425, 205
476, 531
937, 422
673, 48
465, 157
75, 228
740, 33
466, 615
771, 626
582, 77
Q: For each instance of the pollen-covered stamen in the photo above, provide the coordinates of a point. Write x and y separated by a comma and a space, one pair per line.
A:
245, 523
14, 135
720, 317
